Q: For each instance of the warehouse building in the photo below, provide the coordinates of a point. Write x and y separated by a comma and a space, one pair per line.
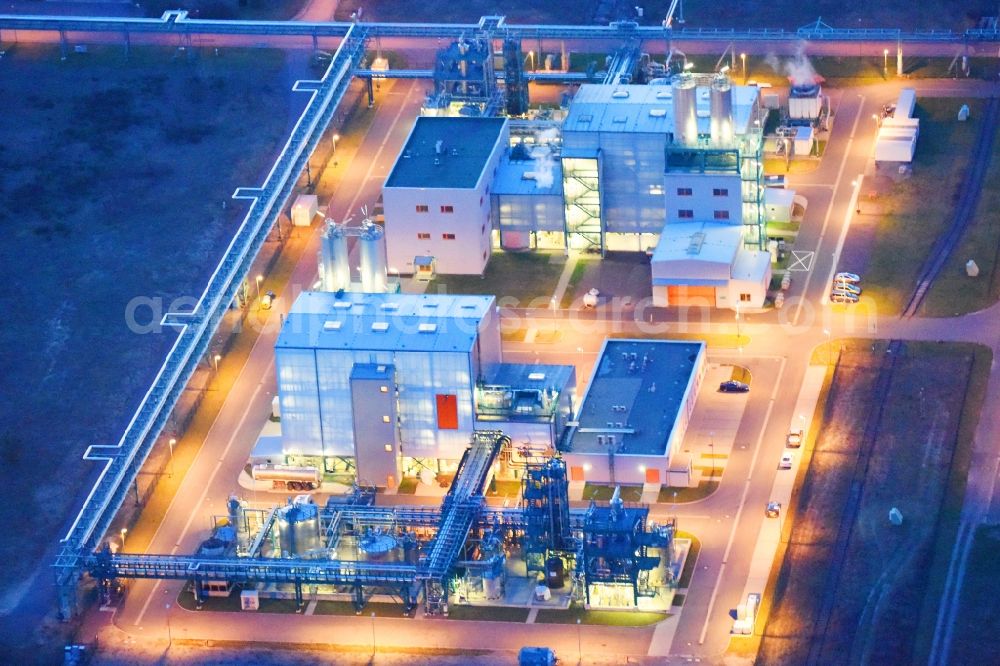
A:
635, 413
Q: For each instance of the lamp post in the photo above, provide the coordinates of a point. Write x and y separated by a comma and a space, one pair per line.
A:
531, 58
373, 637
170, 638
885, 61
579, 643
260, 278
333, 140
215, 362
171, 442
123, 532
711, 448
743, 60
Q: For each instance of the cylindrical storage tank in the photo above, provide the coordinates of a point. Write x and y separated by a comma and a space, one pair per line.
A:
685, 93
298, 529
722, 111
336, 268
373, 261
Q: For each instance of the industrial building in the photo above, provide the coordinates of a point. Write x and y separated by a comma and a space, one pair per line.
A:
627, 163
635, 413
378, 386
898, 131
437, 196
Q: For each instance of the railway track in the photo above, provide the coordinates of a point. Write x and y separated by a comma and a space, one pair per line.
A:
964, 210
853, 504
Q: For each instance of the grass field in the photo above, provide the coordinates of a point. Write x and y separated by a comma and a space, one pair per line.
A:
977, 626
114, 179
913, 213
698, 13
891, 576
525, 279
609, 618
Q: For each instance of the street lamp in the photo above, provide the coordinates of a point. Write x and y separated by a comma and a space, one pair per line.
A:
171, 442
885, 60
743, 59
373, 637
124, 531
260, 278
579, 643
711, 447
531, 57
334, 139
170, 638
215, 360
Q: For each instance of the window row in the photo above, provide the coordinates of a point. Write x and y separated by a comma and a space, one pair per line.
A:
688, 214
423, 235
716, 192
424, 208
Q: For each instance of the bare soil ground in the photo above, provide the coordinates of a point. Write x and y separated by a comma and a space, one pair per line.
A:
113, 180
883, 585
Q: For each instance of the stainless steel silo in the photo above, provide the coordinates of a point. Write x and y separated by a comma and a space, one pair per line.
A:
335, 268
298, 529
721, 111
685, 94
373, 261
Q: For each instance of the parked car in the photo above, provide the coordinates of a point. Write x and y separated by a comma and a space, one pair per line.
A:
793, 440
773, 509
842, 297
846, 286
733, 386
847, 277
786, 460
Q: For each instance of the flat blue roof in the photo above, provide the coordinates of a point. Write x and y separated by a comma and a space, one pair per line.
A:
529, 177
384, 322
635, 395
466, 146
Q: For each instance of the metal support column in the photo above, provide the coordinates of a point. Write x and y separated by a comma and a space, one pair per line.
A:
199, 594
67, 583
63, 45
899, 58
371, 93
298, 596
359, 598
315, 42
128, 44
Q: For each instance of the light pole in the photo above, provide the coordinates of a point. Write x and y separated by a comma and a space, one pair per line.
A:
829, 344
260, 278
124, 531
711, 448
170, 638
579, 643
171, 442
743, 60
215, 362
334, 139
531, 58
373, 637
885, 61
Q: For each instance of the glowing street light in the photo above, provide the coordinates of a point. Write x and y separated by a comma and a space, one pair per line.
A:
743, 59
373, 636
531, 58
885, 60
124, 531
260, 278
579, 643
215, 361
172, 442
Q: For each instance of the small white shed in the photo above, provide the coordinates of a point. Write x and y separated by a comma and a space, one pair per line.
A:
304, 209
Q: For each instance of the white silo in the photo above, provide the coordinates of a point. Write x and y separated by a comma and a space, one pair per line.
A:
685, 94
373, 262
721, 111
334, 269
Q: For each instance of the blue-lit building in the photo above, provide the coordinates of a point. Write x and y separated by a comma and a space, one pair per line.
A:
386, 385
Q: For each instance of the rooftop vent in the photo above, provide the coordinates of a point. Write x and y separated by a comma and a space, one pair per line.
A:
437, 161
657, 113
380, 326
427, 328
343, 305
664, 94
536, 376
439, 147
620, 94
697, 240
392, 305
332, 325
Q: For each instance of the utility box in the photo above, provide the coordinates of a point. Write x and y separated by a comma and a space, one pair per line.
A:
304, 209
972, 268
249, 600
963, 113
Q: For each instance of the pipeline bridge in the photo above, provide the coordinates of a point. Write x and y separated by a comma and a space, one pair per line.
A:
462, 511
177, 22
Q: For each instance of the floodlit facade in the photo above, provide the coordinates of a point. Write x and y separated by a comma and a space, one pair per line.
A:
385, 385
437, 196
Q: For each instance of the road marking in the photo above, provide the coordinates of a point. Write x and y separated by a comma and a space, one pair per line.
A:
211, 478
743, 499
829, 209
802, 260
848, 217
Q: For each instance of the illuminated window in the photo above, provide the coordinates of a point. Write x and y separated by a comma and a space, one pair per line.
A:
423, 208
388, 448
383, 389
656, 189
386, 419
744, 298
448, 236
447, 209
685, 214
423, 235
